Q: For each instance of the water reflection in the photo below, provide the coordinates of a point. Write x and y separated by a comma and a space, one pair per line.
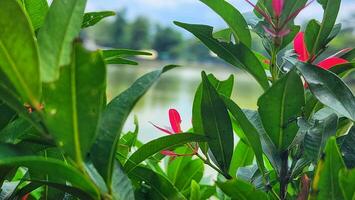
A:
175, 89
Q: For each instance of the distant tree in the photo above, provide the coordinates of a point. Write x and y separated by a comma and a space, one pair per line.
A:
139, 33
166, 41
119, 30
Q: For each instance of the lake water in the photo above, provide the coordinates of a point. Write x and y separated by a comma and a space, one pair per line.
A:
175, 89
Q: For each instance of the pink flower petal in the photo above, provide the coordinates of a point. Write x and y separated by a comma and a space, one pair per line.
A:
168, 153
175, 120
162, 129
300, 47
277, 6
331, 62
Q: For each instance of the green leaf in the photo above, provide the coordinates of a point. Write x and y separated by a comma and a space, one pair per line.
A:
157, 145
61, 26
350, 55
279, 108
92, 18
10, 156
322, 32
37, 11
113, 119
193, 171
326, 179
317, 136
7, 114
224, 35
233, 18
120, 61
329, 89
122, 188
250, 131
238, 189
347, 147
224, 88
347, 183
112, 53
18, 52
195, 193
217, 125
243, 155
74, 102
237, 55
159, 186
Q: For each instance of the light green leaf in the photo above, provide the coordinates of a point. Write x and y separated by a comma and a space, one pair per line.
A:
61, 26
74, 103
18, 52
279, 108
347, 183
37, 11
195, 191
243, 155
238, 189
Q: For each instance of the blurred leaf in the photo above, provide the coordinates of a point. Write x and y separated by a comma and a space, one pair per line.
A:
217, 125
250, 131
18, 52
122, 188
223, 87
112, 120
120, 61
347, 183
329, 89
326, 178
238, 189
157, 145
195, 191
36, 10
112, 53
279, 108
243, 155
92, 18
61, 26
74, 103
159, 186
237, 55
233, 18
347, 147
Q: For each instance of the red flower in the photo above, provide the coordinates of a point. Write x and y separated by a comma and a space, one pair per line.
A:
25, 197
277, 6
303, 54
175, 128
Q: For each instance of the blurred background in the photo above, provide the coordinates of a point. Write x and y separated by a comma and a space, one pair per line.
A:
148, 25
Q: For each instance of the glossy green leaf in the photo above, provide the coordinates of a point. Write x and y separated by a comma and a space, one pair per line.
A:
157, 145
224, 88
279, 108
113, 119
233, 18
347, 183
237, 55
122, 188
61, 26
322, 32
326, 179
243, 155
92, 18
347, 147
217, 125
238, 189
250, 131
329, 89
18, 52
159, 186
74, 102
37, 11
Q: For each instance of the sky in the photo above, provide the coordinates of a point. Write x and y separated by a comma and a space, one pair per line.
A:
194, 11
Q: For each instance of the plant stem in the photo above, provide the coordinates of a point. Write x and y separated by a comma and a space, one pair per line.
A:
283, 179
207, 162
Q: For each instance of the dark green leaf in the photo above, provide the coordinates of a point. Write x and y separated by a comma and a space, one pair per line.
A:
92, 18
243, 155
347, 147
238, 189
237, 55
74, 102
113, 119
7, 114
217, 125
122, 188
233, 18
157, 145
329, 89
18, 52
61, 26
159, 186
107, 54
326, 179
279, 108
350, 55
